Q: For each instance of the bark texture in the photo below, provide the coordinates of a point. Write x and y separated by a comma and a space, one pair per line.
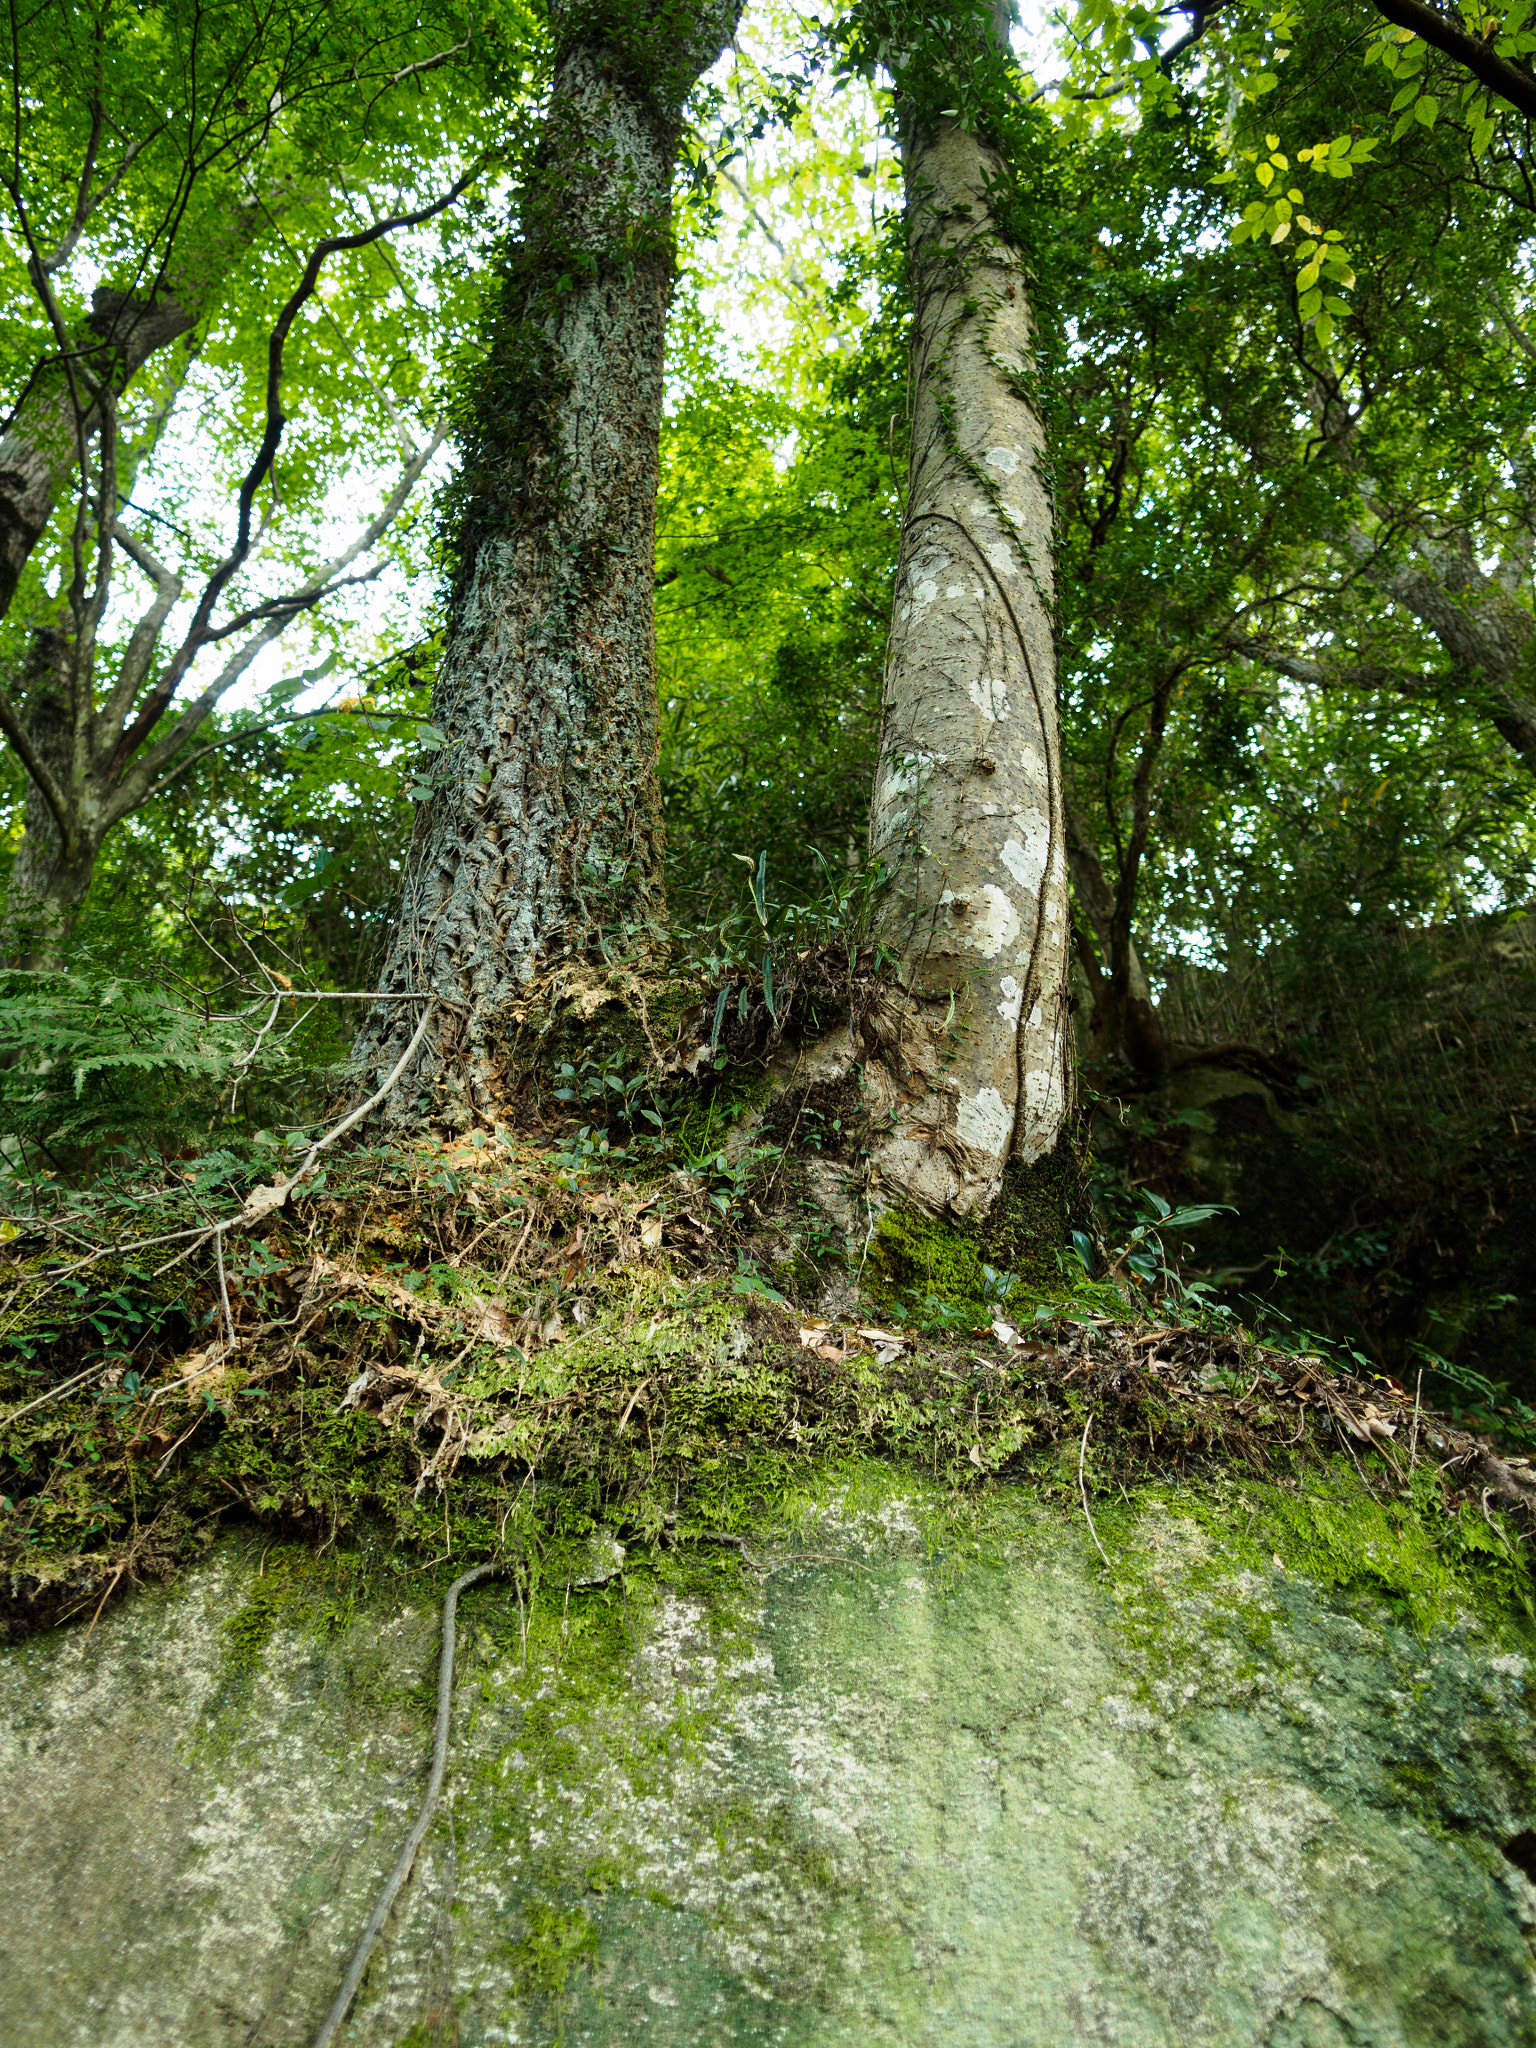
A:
967, 811
49, 879
543, 840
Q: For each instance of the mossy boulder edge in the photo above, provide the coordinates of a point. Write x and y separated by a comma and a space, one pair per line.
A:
903, 1765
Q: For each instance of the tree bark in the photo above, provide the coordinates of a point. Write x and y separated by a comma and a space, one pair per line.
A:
1489, 636
967, 811
543, 840
40, 450
51, 874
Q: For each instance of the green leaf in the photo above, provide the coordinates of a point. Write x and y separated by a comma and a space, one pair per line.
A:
1323, 328
1309, 303
1426, 109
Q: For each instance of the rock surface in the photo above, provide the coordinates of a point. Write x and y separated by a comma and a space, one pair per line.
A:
901, 1780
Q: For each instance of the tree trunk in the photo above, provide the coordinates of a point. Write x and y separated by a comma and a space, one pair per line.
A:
1488, 634
543, 839
967, 810
41, 449
49, 879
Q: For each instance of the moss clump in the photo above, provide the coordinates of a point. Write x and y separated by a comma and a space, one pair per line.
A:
946, 1272
1030, 1224
926, 1268
553, 1945
1216, 1559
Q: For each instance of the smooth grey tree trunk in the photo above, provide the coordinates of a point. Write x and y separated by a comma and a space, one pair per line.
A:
543, 844
967, 811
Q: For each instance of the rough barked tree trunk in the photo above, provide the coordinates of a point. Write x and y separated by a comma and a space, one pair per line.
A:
50, 879
543, 840
40, 451
967, 809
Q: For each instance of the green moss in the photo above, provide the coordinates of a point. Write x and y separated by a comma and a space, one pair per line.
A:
1031, 1222
554, 1943
926, 1268
939, 1271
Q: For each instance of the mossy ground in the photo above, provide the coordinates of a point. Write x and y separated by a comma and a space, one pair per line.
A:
491, 1349
1012, 1259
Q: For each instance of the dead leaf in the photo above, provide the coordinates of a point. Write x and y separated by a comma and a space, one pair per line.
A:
975, 1457
884, 1337
650, 1232
553, 1331
198, 1373
811, 1335
1005, 1334
492, 1322
262, 1201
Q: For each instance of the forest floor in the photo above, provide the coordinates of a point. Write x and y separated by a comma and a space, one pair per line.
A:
489, 1349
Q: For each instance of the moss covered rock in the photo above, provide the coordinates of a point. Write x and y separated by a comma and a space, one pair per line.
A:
906, 1767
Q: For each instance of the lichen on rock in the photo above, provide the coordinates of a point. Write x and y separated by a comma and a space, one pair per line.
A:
898, 1765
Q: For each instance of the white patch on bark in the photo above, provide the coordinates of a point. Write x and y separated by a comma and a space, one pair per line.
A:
983, 1120
1013, 1000
990, 696
905, 776
1005, 459
1026, 864
998, 925
1044, 1106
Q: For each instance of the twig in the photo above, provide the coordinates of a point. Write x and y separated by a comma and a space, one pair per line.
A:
1082, 1483
402, 1869
197, 1421
57, 1393
364, 1108
101, 1603
229, 1319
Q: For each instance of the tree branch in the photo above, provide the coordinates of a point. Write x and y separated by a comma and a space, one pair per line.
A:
134, 787
1331, 674
276, 420
1512, 83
